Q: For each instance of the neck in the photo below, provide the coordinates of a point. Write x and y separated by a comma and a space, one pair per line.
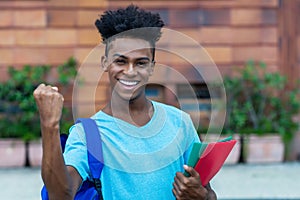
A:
134, 105
138, 111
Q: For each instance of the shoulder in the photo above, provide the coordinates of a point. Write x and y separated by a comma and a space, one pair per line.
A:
77, 130
100, 115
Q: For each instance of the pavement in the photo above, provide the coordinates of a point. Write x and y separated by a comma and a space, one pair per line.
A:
249, 181
242, 181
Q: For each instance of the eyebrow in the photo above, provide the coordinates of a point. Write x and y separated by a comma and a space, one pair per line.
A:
122, 56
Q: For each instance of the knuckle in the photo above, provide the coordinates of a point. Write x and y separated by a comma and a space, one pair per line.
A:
44, 93
183, 188
35, 93
196, 173
186, 181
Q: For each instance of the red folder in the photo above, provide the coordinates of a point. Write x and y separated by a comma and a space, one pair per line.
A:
212, 159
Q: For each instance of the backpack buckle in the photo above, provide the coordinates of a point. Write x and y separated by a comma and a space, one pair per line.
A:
98, 186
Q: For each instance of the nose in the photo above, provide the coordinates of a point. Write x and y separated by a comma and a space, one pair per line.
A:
130, 70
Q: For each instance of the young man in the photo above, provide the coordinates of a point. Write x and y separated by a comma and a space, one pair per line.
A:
145, 143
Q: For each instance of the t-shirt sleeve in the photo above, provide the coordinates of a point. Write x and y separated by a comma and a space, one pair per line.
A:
75, 153
190, 129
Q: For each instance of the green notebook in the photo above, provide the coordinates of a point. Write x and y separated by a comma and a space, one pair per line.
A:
197, 151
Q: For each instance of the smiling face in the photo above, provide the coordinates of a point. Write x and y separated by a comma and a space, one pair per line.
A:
129, 66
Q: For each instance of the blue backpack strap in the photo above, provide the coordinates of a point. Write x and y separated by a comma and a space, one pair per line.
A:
94, 148
63, 140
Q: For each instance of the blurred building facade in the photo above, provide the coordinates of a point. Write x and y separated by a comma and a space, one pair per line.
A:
231, 31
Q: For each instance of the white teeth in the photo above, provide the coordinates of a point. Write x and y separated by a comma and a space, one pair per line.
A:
128, 83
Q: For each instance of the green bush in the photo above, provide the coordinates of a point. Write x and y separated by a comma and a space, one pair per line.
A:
19, 116
261, 102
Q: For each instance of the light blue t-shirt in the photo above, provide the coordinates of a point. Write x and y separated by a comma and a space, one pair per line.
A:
139, 162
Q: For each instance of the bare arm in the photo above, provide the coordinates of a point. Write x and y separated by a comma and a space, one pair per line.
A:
61, 181
211, 194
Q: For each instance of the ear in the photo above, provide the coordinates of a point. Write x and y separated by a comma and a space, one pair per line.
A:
104, 63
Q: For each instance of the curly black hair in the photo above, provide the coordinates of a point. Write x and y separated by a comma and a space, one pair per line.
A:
116, 22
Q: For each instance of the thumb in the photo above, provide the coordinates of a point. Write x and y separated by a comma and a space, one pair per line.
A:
191, 171
55, 88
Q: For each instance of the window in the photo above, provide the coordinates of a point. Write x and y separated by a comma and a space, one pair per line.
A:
195, 99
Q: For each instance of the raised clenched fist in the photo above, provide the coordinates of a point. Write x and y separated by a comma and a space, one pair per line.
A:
50, 103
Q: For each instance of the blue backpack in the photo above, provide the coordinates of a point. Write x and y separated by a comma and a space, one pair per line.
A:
90, 189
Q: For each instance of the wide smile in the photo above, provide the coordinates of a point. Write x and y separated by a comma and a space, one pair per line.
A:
129, 83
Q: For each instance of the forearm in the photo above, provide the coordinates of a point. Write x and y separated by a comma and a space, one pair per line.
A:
54, 172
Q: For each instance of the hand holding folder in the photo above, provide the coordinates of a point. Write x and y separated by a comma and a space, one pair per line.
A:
208, 158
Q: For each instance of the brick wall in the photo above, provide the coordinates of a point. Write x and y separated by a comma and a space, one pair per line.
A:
51, 31
40, 32
232, 31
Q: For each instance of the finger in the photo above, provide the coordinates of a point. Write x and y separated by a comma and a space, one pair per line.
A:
180, 178
182, 182
37, 91
191, 171
178, 186
55, 88
41, 85
175, 193
194, 174
49, 88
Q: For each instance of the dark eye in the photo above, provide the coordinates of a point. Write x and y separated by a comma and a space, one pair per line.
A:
120, 61
142, 63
